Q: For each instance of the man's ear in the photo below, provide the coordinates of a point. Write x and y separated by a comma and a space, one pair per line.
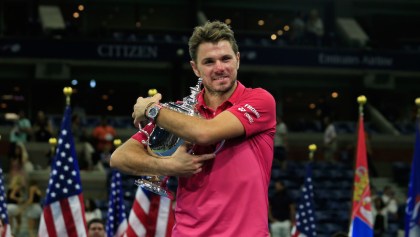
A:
239, 60
194, 68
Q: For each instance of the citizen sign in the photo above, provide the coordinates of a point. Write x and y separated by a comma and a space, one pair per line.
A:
127, 51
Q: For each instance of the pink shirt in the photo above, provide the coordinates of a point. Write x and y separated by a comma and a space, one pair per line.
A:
230, 196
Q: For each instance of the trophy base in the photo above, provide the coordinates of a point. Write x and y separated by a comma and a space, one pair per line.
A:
155, 187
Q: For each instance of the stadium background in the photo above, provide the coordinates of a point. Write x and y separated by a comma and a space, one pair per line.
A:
126, 47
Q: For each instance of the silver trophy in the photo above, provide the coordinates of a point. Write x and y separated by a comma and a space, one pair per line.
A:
163, 143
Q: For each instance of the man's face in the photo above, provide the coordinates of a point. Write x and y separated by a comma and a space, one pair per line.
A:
96, 230
217, 65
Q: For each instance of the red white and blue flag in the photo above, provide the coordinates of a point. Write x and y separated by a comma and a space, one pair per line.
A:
64, 212
151, 216
361, 216
116, 220
305, 214
3, 208
412, 212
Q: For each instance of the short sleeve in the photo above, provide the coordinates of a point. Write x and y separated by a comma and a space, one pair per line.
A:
256, 110
142, 136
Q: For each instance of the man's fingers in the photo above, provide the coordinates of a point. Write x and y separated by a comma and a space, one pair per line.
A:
198, 170
157, 97
205, 157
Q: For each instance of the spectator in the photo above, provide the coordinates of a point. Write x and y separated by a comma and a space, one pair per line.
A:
81, 136
14, 199
77, 128
298, 29
390, 202
42, 127
280, 142
96, 228
330, 140
86, 154
19, 161
103, 135
315, 28
369, 153
379, 214
32, 207
282, 211
22, 129
91, 210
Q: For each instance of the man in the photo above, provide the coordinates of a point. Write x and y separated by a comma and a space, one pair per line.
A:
96, 228
227, 195
330, 140
22, 129
282, 211
280, 143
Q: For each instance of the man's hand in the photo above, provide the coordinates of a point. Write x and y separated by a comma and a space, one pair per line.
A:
183, 163
140, 107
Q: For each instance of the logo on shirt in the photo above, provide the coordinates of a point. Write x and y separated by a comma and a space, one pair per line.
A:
248, 108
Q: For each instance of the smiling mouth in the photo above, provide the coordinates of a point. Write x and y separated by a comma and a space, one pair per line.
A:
221, 78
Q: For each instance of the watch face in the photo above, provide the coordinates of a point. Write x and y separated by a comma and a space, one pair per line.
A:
152, 112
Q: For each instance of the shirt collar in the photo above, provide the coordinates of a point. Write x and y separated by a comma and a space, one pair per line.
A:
232, 99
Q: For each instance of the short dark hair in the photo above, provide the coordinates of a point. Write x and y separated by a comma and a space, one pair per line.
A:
95, 220
212, 32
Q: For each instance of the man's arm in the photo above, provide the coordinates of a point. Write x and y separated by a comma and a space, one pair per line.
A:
133, 158
193, 129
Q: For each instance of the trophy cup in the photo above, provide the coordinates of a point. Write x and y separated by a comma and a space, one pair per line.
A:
163, 143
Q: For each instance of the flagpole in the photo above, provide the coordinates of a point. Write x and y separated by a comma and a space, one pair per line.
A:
361, 221
63, 210
304, 223
117, 142
53, 145
312, 149
362, 101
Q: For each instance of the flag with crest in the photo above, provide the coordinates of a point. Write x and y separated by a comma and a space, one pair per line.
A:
361, 224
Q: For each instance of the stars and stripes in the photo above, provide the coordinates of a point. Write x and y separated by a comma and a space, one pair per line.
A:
151, 216
64, 213
3, 208
116, 221
305, 215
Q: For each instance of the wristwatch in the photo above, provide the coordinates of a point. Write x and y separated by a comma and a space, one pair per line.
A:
152, 112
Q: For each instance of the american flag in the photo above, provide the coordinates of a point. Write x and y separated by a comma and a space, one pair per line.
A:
3, 208
117, 221
361, 216
412, 215
64, 211
305, 216
151, 216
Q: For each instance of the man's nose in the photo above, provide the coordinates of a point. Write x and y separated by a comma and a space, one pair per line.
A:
219, 65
